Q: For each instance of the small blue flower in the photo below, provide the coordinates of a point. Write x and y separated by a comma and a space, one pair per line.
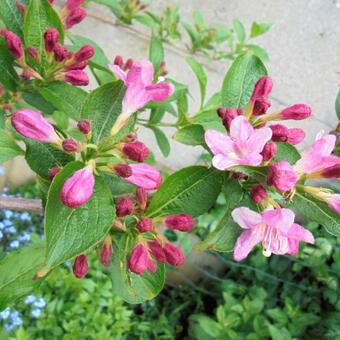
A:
30, 299
25, 216
24, 237
5, 313
14, 244
36, 313
40, 303
2, 226
1, 235
8, 327
11, 230
8, 213
7, 223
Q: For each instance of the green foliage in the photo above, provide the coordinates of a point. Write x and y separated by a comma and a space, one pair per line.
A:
156, 52
286, 152
11, 16
8, 147
8, 76
337, 105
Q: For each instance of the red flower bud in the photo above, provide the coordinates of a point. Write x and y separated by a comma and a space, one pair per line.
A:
85, 53
128, 65
33, 52
118, 61
21, 7
78, 66
80, 266
72, 4
139, 260
53, 171
123, 170
70, 145
152, 266
181, 222
296, 112
269, 151
77, 77
85, 126
60, 53
262, 88
174, 255
136, 151
142, 198
282, 176
157, 251
124, 207
258, 193
144, 225
331, 172
282, 134
51, 38
261, 106
14, 45
295, 136
227, 115
106, 252
76, 16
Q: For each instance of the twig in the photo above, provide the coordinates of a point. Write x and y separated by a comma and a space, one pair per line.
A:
21, 204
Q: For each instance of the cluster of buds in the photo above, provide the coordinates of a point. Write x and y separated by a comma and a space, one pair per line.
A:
72, 13
129, 10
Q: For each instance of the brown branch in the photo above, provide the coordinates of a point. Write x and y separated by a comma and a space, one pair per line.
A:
21, 204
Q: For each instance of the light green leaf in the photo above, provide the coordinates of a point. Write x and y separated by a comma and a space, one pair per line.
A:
162, 141
156, 52
259, 29
239, 30
8, 147
8, 75
337, 105
258, 51
191, 135
37, 101
11, 17
286, 152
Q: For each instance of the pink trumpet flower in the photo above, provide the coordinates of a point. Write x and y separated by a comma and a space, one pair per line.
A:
275, 229
140, 90
144, 176
242, 147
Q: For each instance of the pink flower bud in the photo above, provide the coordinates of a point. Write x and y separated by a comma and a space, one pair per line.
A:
70, 145
106, 252
157, 251
282, 134
269, 151
258, 193
142, 198
181, 222
60, 53
33, 52
124, 207
174, 255
144, 176
118, 61
78, 189
139, 260
78, 66
51, 38
136, 151
72, 4
53, 171
144, 225
331, 172
76, 16
261, 106
296, 112
14, 45
77, 77
123, 170
21, 7
282, 176
334, 202
32, 124
227, 115
152, 266
128, 65
51, 1
80, 266
85, 126
85, 53
295, 136
262, 88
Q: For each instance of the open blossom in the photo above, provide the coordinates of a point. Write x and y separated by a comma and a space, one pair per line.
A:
275, 229
242, 147
282, 176
144, 176
140, 90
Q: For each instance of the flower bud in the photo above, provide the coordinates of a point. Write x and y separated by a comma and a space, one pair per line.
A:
124, 207
152, 266
14, 45
85, 126
139, 260
136, 151
60, 53
261, 106
80, 266
282, 176
258, 193
295, 136
128, 65
296, 112
51, 38
157, 251
33, 53
78, 66
118, 61
53, 171
281, 133
123, 170
144, 225
70, 145
174, 255
77, 77
76, 16
85, 53
72, 4
181, 222
227, 115
106, 252
144, 176
334, 203
269, 151
331, 172
262, 88
142, 198
21, 8
32, 124
78, 189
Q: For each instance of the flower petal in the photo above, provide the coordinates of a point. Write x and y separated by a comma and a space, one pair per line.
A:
222, 162
258, 139
218, 142
118, 72
281, 219
246, 242
252, 159
141, 72
246, 218
160, 91
299, 233
241, 129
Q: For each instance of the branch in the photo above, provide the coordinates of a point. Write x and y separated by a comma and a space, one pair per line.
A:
21, 204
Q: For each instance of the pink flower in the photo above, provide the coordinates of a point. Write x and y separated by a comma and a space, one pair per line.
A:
70, 145
72, 4
14, 45
85, 126
227, 115
262, 88
157, 251
106, 252
144, 225
243, 147
136, 151
140, 90
261, 106
75, 16
139, 260
80, 266
181, 222
144, 176
282, 176
53, 172
77, 77
269, 151
334, 202
258, 193
32, 124
319, 156
283, 134
296, 112
51, 38
85, 53
174, 255
142, 198
124, 207
274, 228
78, 189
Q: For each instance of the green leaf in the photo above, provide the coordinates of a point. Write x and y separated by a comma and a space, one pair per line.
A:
39, 17
286, 152
193, 34
17, 271
41, 157
162, 141
8, 147
316, 211
337, 105
258, 51
156, 52
8, 75
201, 76
238, 85
191, 135
36, 100
259, 29
239, 30
118, 186
191, 190
11, 17
70, 232
64, 97
131, 287
102, 107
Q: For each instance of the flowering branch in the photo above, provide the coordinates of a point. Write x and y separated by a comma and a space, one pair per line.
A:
21, 204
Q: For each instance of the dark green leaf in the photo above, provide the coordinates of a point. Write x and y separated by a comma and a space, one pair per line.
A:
156, 52
8, 147
11, 17
36, 100
118, 186
162, 141
191, 190
286, 152
8, 75
191, 135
